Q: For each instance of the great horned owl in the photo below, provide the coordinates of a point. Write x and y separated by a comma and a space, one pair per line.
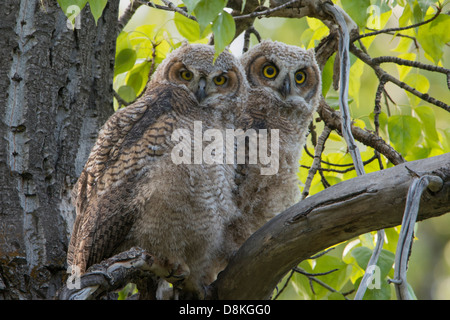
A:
285, 86
133, 191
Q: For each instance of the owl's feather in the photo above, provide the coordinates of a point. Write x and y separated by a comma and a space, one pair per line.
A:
131, 137
132, 193
276, 103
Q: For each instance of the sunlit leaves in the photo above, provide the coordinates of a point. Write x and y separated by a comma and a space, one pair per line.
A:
137, 52
97, 7
189, 28
209, 14
357, 10
224, 30
125, 60
207, 11
404, 132
434, 36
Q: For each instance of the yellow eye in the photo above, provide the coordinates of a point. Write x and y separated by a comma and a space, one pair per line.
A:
270, 72
186, 75
300, 77
220, 80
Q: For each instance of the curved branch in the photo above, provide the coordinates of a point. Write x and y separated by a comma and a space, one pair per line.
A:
369, 202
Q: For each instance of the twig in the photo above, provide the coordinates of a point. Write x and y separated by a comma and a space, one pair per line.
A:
169, 7
387, 77
247, 34
312, 277
320, 254
418, 186
414, 64
377, 108
265, 12
345, 170
439, 9
128, 13
317, 159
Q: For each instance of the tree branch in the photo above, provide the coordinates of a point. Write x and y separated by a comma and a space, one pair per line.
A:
337, 214
333, 120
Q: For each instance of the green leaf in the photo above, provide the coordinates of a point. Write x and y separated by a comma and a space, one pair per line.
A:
327, 76
125, 60
383, 293
207, 11
418, 82
224, 30
434, 36
357, 10
446, 139
428, 119
385, 260
97, 7
337, 279
188, 28
138, 76
191, 4
72, 8
404, 132
122, 42
127, 93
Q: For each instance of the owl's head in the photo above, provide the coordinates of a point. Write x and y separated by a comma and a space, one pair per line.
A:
289, 73
214, 83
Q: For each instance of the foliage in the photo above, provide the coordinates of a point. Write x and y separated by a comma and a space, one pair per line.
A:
413, 126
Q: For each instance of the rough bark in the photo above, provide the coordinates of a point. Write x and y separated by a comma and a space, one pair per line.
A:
353, 207
56, 93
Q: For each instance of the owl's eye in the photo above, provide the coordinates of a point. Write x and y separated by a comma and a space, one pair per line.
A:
186, 75
300, 77
220, 80
270, 72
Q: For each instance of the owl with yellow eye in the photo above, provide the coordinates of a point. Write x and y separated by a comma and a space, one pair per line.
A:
131, 192
285, 91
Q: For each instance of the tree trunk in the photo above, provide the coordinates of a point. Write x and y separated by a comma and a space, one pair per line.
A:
56, 93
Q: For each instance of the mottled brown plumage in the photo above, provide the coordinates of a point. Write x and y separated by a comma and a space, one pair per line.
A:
285, 90
131, 193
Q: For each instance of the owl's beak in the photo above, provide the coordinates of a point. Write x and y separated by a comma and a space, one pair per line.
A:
201, 90
285, 89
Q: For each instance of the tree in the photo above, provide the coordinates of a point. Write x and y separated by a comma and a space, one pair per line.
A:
60, 90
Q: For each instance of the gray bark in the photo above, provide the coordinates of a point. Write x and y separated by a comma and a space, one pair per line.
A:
56, 93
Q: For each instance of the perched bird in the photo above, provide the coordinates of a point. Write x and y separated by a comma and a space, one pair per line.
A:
142, 186
285, 90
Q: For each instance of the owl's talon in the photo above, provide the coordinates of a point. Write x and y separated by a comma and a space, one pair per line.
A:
177, 272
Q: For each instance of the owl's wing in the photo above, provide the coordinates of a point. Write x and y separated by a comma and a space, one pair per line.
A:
130, 139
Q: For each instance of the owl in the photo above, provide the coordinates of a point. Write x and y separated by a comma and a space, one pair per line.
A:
144, 184
285, 90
